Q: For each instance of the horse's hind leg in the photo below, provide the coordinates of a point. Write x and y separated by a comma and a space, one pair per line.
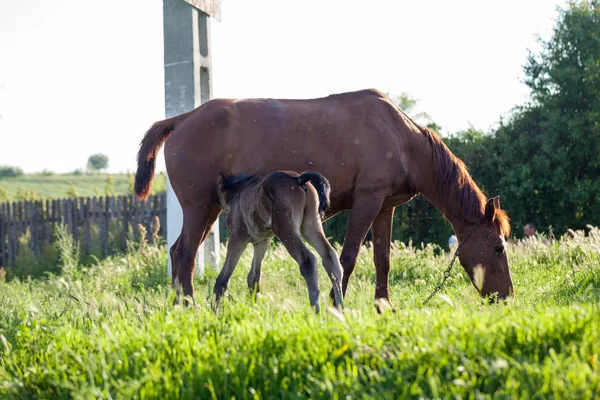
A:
174, 271
183, 252
235, 248
254, 275
312, 230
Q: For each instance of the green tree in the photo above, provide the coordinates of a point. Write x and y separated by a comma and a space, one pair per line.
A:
7, 171
549, 148
97, 162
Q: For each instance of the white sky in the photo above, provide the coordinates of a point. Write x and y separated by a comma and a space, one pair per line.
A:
81, 77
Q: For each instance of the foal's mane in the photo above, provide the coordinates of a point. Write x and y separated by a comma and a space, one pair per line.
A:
233, 183
453, 178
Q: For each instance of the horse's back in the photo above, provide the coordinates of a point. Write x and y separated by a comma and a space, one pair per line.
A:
341, 136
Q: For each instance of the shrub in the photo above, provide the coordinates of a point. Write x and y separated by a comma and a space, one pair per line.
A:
68, 252
4, 197
28, 195
47, 172
71, 192
109, 188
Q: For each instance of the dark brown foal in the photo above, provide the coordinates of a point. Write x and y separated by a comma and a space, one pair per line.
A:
289, 206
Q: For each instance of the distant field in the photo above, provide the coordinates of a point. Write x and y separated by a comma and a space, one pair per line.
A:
58, 185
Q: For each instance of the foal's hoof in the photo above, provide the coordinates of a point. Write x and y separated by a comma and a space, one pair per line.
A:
254, 295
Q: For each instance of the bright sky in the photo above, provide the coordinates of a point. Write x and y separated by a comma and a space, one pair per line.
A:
81, 77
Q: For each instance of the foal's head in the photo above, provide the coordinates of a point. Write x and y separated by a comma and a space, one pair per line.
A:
229, 186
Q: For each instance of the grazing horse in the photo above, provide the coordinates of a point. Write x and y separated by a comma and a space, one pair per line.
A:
374, 156
286, 205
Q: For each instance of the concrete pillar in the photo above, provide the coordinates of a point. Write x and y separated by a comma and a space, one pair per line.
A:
187, 85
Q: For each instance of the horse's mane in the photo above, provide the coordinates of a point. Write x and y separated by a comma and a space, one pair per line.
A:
453, 176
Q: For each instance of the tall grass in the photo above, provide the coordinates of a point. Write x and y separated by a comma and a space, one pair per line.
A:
110, 331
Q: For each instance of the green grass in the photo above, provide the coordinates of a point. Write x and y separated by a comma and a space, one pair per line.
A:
57, 185
109, 331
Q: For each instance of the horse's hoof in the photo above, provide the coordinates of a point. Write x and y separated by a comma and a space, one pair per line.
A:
382, 305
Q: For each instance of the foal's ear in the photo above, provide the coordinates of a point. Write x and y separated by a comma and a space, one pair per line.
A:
490, 208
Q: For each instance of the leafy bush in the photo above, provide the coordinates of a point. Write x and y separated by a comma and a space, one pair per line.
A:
4, 197
47, 172
27, 195
109, 188
27, 266
71, 193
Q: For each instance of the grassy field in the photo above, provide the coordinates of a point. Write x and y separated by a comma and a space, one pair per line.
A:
109, 331
44, 185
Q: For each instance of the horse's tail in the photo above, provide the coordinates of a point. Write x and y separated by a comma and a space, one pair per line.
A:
321, 184
146, 158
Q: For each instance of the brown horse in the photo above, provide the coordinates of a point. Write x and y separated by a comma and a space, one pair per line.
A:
289, 206
373, 154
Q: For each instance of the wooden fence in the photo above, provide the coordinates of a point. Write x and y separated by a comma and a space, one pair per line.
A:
100, 225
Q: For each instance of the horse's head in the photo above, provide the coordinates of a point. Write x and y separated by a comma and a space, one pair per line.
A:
483, 254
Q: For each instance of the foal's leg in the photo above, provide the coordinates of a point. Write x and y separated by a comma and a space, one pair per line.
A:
364, 211
254, 275
305, 259
312, 230
382, 237
235, 248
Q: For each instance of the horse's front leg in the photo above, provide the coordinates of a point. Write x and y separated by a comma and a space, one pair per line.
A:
382, 237
364, 210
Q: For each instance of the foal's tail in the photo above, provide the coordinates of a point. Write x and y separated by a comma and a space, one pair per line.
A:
323, 189
146, 158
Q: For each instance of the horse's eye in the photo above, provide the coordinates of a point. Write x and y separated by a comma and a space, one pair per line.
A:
499, 249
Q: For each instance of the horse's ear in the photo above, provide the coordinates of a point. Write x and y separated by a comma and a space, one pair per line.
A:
221, 180
490, 209
497, 202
